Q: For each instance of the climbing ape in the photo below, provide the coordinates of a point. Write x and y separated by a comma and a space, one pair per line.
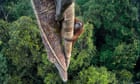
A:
65, 18
78, 30
61, 6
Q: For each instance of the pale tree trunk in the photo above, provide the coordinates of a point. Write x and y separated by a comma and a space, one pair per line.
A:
45, 14
67, 31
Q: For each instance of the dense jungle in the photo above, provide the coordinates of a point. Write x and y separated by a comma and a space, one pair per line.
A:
108, 52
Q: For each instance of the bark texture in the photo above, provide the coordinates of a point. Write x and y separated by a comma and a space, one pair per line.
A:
67, 31
52, 35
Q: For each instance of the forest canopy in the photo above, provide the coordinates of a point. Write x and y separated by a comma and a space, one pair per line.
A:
108, 52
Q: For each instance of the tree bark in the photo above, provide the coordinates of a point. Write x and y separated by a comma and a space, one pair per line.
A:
67, 31
45, 14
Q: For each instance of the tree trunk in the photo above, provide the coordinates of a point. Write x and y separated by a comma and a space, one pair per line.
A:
67, 31
45, 14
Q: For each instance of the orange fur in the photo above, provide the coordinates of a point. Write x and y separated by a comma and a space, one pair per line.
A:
77, 31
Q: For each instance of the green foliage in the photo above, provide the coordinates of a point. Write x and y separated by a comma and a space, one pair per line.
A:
4, 34
124, 76
116, 28
94, 75
4, 76
12, 9
23, 50
84, 50
23, 43
52, 79
15, 80
126, 55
